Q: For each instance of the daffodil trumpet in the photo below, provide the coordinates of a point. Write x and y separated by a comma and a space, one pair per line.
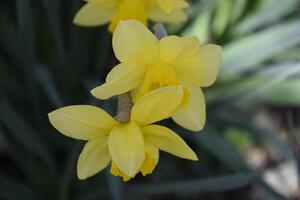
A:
132, 144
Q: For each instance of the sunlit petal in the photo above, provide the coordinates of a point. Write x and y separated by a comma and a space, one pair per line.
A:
151, 159
95, 13
176, 16
122, 78
82, 121
168, 141
93, 158
173, 47
169, 5
192, 115
201, 69
129, 9
157, 105
133, 42
127, 148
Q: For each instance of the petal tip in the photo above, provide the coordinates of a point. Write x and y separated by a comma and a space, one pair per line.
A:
194, 157
98, 94
51, 116
197, 128
81, 176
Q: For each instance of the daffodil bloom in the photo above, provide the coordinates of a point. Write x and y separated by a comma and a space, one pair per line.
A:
148, 63
132, 146
99, 12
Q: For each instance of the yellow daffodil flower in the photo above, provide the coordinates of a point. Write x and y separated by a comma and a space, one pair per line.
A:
131, 146
99, 12
148, 63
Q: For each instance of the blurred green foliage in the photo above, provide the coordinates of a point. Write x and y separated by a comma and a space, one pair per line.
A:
46, 62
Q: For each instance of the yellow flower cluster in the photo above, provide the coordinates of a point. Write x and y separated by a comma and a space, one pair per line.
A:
163, 78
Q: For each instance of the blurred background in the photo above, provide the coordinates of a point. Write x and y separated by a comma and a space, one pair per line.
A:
249, 149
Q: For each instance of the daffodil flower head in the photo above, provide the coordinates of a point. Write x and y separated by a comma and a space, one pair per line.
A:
131, 146
99, 12
148, 63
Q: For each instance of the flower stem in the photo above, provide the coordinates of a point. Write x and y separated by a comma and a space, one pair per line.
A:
160, 30
124, 107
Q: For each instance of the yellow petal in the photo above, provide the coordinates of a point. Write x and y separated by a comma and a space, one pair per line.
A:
93, 158
127, 148
174, 47
192, 115
157, 105
114, 170
133, 42
158, 75
95, 13
181, 4
169, 5
122, 78
202, 69
168, 141
82, 121
176, 16
166, 5
151, 159
129, 9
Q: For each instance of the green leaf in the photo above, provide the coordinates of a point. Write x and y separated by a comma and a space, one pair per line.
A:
23, 133
246, 53
237, 11
224, 151
271, 12
222, 16
270, 77
51, 9
41, 178
8, 80
62, 64
266, 85
26, 29
270, 192
69, 172
9, 40
115, 186
285, 93
48, 85
201, 26
214, 184
235, 119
